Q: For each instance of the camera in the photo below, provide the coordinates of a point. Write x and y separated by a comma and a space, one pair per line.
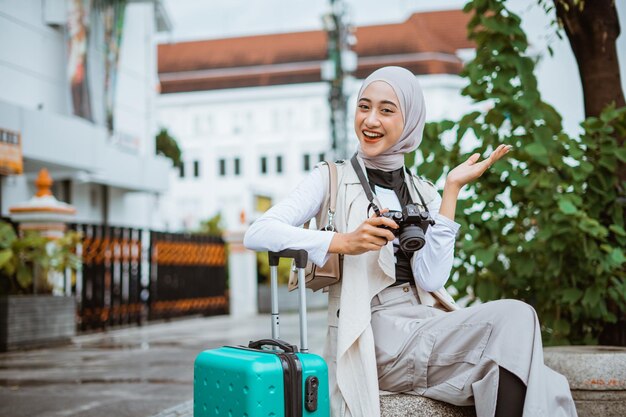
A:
413, 224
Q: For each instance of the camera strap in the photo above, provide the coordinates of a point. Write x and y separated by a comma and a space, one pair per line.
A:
408, 172
368, 190
365, 184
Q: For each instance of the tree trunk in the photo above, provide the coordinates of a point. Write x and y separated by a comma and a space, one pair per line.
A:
592, 28
592, 33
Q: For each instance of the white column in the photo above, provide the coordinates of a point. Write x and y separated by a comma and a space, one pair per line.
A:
242, 276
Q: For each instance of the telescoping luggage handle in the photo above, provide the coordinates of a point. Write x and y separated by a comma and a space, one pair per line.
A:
301, 257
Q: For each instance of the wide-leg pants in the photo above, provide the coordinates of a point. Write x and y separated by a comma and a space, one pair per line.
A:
454, 356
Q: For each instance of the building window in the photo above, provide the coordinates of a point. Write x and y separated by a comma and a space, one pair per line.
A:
181, 170
322, 157
264, 165
279, 164
306, 162
196, 169
222, 167
237, 166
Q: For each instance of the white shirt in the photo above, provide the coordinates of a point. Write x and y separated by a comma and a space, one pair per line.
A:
278, 229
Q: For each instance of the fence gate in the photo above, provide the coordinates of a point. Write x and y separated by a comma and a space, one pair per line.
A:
130, 275
187, 275
109, 288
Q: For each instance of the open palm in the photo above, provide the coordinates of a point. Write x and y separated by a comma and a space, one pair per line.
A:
471, 169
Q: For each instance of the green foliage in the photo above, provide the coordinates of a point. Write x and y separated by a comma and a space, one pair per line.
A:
546, 224
167, 146
25, 261
213, 226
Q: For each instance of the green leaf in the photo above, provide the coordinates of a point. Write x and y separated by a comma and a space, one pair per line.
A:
24, 276
592, 297
617, 256
496, 25
486, 290
621, 154
5, 257
618, 230
586, 167
7, 235
542, 134
608, 114
571, 295
485, 256
566, 206
536, 150
593, 227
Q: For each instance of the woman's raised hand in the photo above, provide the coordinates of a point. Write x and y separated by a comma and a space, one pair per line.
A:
367, 237
469, 170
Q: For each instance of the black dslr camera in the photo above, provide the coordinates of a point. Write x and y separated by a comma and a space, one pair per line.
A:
413, 224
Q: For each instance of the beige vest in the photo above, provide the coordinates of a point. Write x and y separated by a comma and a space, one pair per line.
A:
349, 349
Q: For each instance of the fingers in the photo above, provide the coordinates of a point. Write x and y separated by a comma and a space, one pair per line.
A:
472, 159
500, 151
382, 221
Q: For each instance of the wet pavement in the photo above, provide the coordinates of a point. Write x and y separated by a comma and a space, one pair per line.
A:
133, 372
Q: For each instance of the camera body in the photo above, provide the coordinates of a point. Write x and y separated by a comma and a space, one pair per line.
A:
413, 224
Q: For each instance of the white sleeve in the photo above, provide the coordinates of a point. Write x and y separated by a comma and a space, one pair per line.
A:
432, 264
277, 229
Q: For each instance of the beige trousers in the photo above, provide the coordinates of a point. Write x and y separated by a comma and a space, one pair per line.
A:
454, 356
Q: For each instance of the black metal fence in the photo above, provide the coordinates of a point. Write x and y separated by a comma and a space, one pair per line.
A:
187, 275
109, 289
130, 275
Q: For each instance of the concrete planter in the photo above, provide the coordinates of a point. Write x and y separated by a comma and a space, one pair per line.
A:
28, 321
288, 301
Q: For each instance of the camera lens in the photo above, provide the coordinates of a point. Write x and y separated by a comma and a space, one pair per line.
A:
412, 239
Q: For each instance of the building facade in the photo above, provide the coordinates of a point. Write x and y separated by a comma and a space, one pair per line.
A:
251, 114
79, 90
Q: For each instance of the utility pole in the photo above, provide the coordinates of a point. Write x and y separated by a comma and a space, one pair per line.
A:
340, 64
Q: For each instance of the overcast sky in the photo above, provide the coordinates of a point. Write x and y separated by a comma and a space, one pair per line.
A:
205, 19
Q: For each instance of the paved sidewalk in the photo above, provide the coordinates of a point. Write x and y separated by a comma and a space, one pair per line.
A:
134, 372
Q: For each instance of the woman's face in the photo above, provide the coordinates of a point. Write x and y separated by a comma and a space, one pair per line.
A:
378, 121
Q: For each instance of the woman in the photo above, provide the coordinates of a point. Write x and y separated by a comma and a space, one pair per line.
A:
383, 332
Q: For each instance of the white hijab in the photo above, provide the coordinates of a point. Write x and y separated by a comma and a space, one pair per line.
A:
413, 111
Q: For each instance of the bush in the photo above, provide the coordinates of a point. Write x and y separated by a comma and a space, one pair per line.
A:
26, 261
545, 225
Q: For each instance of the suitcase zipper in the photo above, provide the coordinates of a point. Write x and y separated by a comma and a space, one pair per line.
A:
292, 380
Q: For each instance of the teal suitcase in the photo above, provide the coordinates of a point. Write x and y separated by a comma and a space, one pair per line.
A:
269, 377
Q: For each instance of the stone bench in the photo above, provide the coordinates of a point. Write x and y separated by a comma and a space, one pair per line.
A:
596, 374
402, 405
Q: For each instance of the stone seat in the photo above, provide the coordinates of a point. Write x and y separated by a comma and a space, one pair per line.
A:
403, 405
596, 374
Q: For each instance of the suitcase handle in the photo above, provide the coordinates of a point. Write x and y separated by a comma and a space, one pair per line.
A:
286, 347
299, 255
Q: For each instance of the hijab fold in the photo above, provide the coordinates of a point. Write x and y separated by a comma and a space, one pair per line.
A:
411, 100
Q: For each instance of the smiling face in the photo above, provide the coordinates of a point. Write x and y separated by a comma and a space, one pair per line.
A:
378, 121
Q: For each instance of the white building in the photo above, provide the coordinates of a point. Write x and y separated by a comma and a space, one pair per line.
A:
111, 178
251, 114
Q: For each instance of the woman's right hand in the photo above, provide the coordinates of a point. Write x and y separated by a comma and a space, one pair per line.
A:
367, 237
